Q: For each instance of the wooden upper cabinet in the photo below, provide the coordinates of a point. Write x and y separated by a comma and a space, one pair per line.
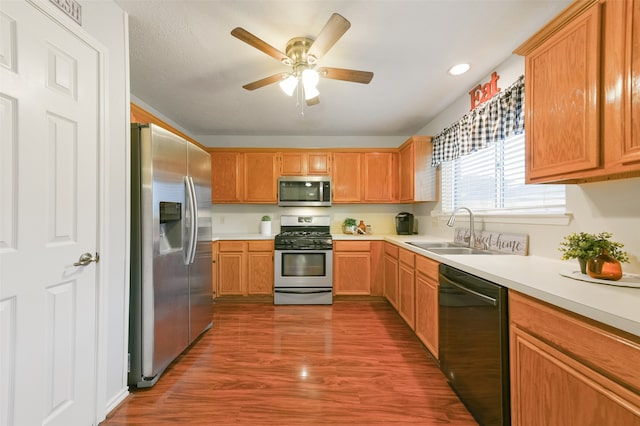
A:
302, 163
561, 86
293, 164
347, 177
380, 177
581, 96
226, 172
244, 177
417, 178
318, 163
260, 177
629, 37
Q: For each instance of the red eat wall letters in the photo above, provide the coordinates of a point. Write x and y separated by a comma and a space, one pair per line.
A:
483, 92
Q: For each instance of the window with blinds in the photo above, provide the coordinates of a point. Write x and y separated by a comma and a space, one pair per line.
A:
492, 180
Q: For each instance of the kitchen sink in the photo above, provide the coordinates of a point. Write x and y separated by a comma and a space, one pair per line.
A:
450, 248
429, 246
458, 250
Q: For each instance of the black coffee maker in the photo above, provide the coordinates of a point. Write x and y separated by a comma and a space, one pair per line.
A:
404, 223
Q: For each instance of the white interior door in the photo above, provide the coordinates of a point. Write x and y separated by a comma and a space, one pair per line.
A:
49, 139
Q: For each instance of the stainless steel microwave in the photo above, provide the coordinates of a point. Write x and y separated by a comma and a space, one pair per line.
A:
313, 191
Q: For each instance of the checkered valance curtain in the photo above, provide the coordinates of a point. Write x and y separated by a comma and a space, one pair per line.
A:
495, 120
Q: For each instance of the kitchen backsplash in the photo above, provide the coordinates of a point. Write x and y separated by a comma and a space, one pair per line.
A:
245, 218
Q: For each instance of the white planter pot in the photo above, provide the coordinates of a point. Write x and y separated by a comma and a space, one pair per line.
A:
265, 227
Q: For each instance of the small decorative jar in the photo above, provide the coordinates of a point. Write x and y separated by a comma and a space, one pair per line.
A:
362, 227
604, 267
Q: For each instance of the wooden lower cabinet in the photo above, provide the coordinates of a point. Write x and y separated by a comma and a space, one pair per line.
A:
406, 286
231, 269
426, 324
215, 250
260, 268
570, 370
411, 286
391, 274
352, 268
245, 268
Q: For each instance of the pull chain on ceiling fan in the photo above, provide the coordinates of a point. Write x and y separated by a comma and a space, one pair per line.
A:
302, 55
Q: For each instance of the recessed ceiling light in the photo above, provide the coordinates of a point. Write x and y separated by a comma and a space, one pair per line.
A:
459, 69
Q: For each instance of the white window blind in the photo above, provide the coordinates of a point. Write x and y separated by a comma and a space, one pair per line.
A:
492, 180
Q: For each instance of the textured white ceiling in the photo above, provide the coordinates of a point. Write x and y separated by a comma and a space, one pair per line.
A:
186, 65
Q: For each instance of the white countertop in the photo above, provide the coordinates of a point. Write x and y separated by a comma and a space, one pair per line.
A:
540, 277
535, 276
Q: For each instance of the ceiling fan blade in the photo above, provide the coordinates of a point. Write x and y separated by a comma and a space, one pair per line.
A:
332, 31
250, 39
313, 101
266, 81
355, 76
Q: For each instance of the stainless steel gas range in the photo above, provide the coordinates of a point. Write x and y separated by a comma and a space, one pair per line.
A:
303, 261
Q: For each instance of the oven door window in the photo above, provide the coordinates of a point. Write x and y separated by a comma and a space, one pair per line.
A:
303, 264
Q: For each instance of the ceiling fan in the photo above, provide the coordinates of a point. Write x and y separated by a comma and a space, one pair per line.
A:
302, 55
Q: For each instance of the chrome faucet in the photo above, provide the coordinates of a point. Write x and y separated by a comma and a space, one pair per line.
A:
452, 221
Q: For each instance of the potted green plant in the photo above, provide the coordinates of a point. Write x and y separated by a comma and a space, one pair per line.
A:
582, 246
265, 225
349, 225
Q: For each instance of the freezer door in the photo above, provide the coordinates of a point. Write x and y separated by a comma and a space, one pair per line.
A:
165, 291
200, 272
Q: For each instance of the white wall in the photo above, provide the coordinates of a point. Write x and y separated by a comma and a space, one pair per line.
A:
279, 141
595, 207
107, 23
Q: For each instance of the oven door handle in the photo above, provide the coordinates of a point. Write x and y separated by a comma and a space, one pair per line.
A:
302, 291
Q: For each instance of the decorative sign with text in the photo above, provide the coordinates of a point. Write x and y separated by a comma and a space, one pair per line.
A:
495, 241
71, 8
483, 92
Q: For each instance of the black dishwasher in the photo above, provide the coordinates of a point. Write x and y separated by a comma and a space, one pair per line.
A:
474, 343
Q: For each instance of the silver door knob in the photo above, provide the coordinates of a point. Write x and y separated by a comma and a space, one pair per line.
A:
87, 258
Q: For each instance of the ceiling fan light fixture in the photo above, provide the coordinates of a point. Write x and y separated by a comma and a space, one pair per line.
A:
310, 93
459, 69
289, 84
310, 79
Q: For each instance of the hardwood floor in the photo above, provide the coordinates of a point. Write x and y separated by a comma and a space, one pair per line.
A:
353, 362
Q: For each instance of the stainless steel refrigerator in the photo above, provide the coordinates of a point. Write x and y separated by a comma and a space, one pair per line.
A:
171, 292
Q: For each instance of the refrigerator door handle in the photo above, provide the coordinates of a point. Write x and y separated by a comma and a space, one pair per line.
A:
194, 220
191, 208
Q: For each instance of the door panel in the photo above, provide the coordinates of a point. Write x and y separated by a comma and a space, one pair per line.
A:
51, 120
